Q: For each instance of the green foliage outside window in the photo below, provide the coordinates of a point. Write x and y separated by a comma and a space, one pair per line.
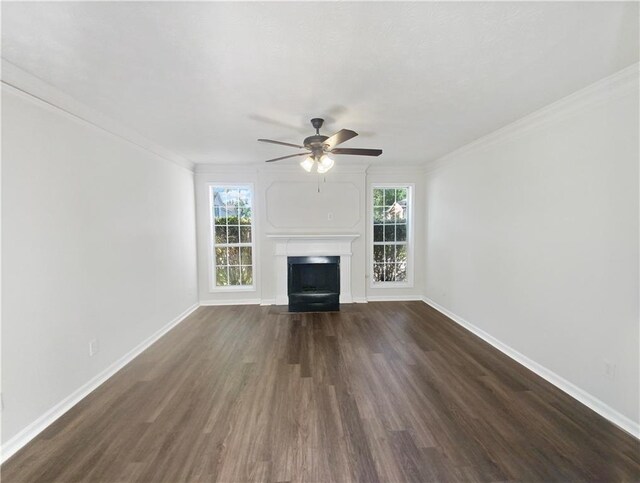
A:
232, 236
390, 215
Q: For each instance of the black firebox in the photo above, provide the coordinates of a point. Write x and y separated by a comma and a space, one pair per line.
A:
314, 284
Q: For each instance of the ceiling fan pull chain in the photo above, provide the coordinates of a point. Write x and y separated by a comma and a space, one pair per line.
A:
318, 183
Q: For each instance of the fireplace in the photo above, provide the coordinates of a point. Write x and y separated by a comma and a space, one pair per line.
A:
291, 245
313, 283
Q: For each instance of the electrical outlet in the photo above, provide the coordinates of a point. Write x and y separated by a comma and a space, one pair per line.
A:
330, 216
93, 347
609, 369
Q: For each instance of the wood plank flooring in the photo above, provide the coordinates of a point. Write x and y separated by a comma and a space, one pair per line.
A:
379, 392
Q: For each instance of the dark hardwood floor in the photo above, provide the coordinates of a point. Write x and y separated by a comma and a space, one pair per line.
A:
389, 392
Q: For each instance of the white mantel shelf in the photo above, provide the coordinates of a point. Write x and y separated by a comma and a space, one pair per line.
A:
312, 244
319, 236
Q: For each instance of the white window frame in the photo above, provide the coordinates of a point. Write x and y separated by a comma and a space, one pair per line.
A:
212, 262
408, 283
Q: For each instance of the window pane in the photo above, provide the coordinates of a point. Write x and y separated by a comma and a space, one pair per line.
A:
401, 232
388, 272
388, 214
378, 253
232, 199
234, 256
221, 234
246, 275
378, 215
245, 256
221, 276
221, 256
378, 197
389, 233
245, 216
233, 234
378, 233
245, 234
378, 272
389, 253
400, 272
389, 197
234, 275
244, 197
401, 253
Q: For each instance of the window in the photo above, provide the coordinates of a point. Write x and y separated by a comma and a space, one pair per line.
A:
232, 235
391, 234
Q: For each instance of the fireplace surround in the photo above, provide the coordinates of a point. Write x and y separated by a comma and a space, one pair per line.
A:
312, 245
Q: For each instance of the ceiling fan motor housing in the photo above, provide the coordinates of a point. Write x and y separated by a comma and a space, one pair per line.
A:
315, 141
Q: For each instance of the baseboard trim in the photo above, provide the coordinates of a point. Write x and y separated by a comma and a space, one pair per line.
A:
211, 303
36, 427
592, 402
394, 298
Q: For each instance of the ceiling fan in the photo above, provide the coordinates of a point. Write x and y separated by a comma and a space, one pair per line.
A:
319, 147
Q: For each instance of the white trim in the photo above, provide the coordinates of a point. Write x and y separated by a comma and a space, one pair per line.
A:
319, 236
301, 245
592, 402
211, 303
242, 170
394, 298
396, 170
21, 82
266, 302
409, 282
36, 427
605, 89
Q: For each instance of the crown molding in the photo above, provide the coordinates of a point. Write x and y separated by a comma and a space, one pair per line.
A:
405, 169
612, 87
239, 169
21, 82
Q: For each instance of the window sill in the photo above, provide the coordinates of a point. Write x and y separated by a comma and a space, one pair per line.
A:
385, 285
236, 288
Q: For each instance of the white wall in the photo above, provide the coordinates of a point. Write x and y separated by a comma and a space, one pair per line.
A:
532, 237
287, 201
98, 241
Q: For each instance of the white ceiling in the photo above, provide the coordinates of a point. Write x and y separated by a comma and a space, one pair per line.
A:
205, 80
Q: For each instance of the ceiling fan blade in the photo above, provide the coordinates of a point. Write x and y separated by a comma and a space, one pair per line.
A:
358, 151
281, 143
285, 157
339, 137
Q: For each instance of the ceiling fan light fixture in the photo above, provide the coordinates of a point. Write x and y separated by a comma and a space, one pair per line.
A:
307, 164
325, 164
318, 145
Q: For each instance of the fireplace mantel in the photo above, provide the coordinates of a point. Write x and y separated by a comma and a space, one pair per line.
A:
312, 244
